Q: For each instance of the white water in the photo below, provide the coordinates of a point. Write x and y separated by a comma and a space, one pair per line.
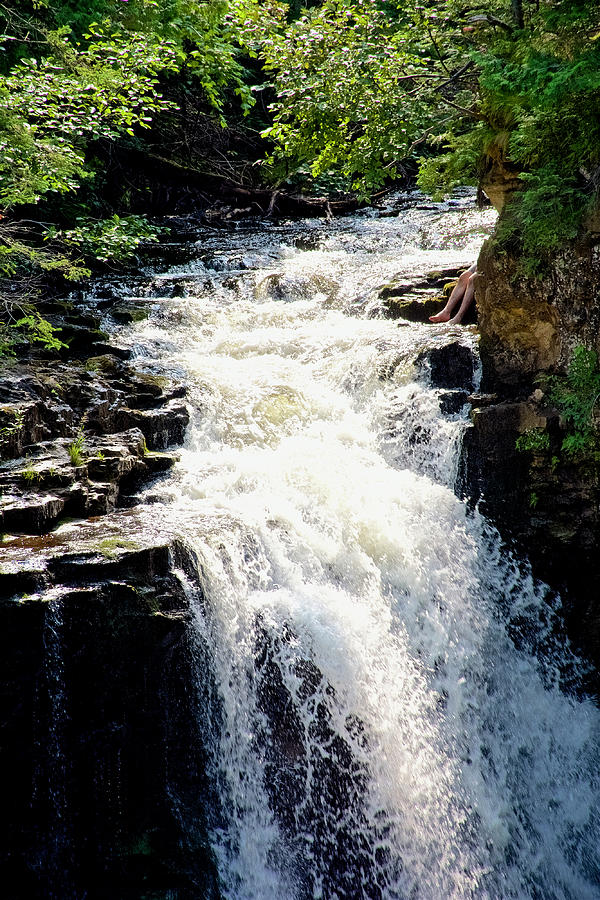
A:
380, 735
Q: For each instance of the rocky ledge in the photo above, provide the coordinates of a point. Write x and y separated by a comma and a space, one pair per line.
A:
101, 727
76, 438
415, 299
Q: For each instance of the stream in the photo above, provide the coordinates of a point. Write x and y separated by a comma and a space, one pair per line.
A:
397, 712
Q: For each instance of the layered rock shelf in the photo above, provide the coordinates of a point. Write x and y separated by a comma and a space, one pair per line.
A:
77, 438
100, 730
415, 299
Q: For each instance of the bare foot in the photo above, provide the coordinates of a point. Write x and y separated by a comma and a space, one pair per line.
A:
442, 316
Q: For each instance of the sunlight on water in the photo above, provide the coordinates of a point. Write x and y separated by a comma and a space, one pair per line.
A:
380, 735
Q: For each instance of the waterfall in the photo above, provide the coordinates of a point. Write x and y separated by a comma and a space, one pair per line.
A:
50, 788
394, 715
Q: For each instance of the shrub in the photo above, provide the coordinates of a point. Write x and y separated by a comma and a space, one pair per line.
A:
575, 396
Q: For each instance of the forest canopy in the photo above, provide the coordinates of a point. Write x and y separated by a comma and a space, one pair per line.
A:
368, 87
342, 96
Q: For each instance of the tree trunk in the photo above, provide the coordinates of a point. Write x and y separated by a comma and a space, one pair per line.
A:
517, 11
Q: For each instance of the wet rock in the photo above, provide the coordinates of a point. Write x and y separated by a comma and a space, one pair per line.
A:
20, 584
113, 558
79, 338
452, 402
83, 319
116, 411
169, 253
99, 347
32, 410
106, 363
162, 428
287, 288
310, 240
449, 366
159, 462
111, 466
314, 776
478, 399
152, 391
541, 502
414, 310
127, 313
530, 325
108, 796
415, 299
34, 512
549, 505
101, 498
500, 182
442, 278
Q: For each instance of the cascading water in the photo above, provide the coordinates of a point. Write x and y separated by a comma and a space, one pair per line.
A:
392, 719
50, 788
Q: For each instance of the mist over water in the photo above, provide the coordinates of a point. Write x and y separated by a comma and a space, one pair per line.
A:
392, 718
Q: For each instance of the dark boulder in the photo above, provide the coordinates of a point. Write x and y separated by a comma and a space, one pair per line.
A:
451, 366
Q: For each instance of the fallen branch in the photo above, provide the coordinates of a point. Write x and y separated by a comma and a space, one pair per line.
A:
488, 19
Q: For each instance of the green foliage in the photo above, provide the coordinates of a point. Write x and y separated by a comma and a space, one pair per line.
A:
77, 79
51, 107
29, 474
75, 449
28, 329
54, 105
6, 431
116, 238
22, 268
535, 440
576, 396
363, 86
537, 99
19, 254
538, 235
344, 73
461, 163
39, 330
352, 91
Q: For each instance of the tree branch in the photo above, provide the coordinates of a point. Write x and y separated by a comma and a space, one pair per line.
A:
437, 50
472, 113
457, 74
490, 20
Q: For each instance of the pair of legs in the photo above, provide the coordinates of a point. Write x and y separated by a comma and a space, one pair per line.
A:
463, 291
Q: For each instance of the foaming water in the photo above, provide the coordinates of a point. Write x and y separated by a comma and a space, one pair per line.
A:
386, 725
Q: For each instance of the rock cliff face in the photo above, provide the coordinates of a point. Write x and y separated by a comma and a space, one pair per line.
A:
549, 505
106, 793
532, 325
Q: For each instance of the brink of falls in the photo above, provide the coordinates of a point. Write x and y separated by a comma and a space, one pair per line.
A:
385, 701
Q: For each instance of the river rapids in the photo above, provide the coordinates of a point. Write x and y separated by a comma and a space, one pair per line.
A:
395, 712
